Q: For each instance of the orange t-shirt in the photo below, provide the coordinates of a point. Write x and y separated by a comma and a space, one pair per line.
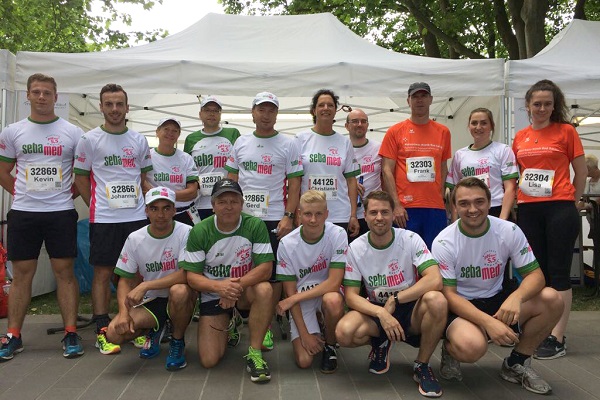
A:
544, 157
419, 151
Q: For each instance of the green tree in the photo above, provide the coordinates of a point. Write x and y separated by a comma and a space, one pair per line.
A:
512, 29
67, 25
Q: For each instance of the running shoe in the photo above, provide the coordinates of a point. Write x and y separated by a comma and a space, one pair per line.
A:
526, 376
551, 348
9, 346
139, 341
176, 357
380, 355
151, 347
258, 368
449, 366
329, 360
72, 345
104, 345
428, 384
267, 344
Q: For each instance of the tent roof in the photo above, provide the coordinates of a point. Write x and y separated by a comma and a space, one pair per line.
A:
571, 59
243, 55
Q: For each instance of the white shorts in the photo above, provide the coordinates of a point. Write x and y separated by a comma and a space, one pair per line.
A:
309, 314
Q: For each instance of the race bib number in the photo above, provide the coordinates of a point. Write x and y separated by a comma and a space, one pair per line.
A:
382, 294
537, 182
324, 183
420, 169
256, 203
307, 286
207, 181
485, 178
122, 194
43, 177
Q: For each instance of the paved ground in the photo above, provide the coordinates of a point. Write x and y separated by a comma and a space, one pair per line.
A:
40, 372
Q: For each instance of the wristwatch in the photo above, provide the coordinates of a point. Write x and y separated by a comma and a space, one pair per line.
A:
396, 297
289, 214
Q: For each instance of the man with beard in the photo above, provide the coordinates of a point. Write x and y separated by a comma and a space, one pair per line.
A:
111, 163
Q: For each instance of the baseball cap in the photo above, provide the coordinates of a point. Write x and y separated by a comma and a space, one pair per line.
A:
160, 193
162, 121
264, 97
225, 185
210, 99
417, 87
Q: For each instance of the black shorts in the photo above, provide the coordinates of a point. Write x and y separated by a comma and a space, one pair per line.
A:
403, 314
159, 308
489, 306
271, 225
184, 218
205, 212
27, 230
107, 240
212, 308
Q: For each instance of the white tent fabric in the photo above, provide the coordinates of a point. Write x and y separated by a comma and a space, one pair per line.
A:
572, 61
7, 70
235, 57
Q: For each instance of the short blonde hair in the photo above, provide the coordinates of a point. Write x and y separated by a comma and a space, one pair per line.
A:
591, 161
313, 196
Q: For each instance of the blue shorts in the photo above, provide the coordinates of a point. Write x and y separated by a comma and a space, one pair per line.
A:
403, 314
426, 222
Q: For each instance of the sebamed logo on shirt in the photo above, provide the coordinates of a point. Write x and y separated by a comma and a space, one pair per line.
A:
367, 166
395, 276
126, 159
208, 160
319, 265
175, 176
479, 272
52, 147
263, 167
242, 265
332, 158
483, 168
168, 262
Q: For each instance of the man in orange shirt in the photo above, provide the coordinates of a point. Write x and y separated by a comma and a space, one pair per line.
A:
414, 160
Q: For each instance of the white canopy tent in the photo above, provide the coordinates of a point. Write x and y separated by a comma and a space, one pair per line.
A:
235, 57
571, 60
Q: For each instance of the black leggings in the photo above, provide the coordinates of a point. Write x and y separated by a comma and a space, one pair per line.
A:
551, 227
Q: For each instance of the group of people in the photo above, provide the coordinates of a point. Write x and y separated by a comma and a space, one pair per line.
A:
303, 226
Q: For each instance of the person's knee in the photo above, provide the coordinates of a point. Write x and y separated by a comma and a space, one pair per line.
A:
552, 301
179, 294
344, 332
333, 304
436, 305
262, 292
103, 274
303, 360
467, 348
209, 358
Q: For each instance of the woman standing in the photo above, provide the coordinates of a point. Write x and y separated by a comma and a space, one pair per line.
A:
329, 163
546, 197
492, 162
176, 170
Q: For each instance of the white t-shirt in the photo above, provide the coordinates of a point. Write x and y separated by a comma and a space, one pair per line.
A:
263, 166
153, 257
174, 171
390, 269
475, 265
43, 154
327, 162
369, 161
114, 162
308, 263
493, 164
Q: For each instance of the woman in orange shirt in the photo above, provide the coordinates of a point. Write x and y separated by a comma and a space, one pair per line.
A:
547, 211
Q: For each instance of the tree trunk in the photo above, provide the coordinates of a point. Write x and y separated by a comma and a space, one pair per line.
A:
514, 9
505, 30
579, 10
534, 16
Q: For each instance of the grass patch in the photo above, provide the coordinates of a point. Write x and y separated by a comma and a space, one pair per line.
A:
47, 304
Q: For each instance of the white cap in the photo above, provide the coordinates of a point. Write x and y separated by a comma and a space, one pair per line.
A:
160, 193
210, 99
162, 121
264, 97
